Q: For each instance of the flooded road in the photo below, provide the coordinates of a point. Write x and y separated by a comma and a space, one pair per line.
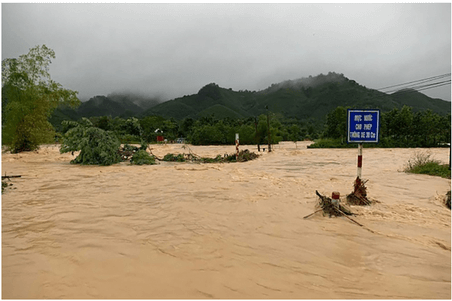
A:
194, 231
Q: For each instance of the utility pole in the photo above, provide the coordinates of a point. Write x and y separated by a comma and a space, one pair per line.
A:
268, 127
255, 136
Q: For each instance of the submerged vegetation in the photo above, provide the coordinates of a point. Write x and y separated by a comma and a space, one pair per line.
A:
4, 185
96, 146
142, 157
424, 163
243, 156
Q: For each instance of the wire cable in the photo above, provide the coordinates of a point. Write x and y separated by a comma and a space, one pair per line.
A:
422, 87
418, 81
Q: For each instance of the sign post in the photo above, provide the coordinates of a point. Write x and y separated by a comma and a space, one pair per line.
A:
237, 146
363, 126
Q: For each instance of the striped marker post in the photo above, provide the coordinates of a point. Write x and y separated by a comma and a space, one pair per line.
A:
360, 160
237, 146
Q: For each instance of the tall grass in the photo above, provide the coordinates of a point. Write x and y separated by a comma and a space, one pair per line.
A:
424, 163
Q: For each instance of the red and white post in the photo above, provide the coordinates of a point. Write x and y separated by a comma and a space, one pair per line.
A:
360, 160
237, 146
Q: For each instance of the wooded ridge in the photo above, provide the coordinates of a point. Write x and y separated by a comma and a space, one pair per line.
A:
304, 99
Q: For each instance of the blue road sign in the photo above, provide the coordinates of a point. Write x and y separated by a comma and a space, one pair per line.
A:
363, 126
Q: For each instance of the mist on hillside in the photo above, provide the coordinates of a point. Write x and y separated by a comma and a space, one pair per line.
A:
143, 101
311, 81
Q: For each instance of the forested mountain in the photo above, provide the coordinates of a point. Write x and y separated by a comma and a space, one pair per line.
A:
114, 105
305, 98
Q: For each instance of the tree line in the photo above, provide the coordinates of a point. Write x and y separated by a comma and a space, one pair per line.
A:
398, 128
205, 130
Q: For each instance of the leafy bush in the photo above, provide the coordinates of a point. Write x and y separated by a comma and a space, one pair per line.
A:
423, 163
4, 185
142, 157
96, 146
174, 158
127, 138
128, 147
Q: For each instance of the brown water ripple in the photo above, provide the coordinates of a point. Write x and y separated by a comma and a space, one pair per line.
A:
220, 230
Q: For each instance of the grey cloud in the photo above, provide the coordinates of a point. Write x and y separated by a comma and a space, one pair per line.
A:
174, 49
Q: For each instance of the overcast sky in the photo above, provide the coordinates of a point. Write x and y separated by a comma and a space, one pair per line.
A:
171, 50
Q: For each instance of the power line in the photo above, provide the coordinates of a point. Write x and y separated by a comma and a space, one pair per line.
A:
422, 87
418, 81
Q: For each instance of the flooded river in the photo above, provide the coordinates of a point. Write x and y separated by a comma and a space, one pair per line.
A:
232, 230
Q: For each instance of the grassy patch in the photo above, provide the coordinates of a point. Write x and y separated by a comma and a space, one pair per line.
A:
424, 163
244, 155
142, 157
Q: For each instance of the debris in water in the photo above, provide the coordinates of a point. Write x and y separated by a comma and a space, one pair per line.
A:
330, 206
335, 208
359, 194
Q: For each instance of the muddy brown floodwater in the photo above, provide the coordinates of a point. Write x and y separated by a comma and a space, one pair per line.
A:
182, 230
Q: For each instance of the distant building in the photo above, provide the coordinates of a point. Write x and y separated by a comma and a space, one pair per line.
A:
159, 133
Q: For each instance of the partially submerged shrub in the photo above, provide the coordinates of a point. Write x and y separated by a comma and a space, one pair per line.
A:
174, 158
4, 185
424, 163
244, 155
96, 146
142, 157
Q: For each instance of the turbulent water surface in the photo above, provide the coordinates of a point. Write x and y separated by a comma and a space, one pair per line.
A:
236, 230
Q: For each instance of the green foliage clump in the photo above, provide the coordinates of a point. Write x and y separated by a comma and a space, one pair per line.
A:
174, 158
142, 157
423, 163
244, 155
4, 185
29, 96
130, 148
96, 146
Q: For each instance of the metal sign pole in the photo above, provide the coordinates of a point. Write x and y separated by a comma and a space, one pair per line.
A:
360, 160
363, 126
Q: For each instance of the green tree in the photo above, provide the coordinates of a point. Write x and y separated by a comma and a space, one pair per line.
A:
295, 133
336, 123
96, 146
30, 96
206, 135
102, 122
149, 124
170, 129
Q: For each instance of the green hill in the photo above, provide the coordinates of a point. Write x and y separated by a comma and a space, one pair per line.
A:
305, 98
421, 102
